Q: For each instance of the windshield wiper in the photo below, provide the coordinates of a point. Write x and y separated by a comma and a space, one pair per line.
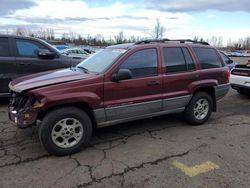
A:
84, 69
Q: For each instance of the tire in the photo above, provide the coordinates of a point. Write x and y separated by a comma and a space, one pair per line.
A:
64, 131
199, 109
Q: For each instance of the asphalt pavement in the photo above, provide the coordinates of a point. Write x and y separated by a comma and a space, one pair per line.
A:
156, 152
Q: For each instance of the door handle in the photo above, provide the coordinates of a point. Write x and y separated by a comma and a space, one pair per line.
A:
154, 83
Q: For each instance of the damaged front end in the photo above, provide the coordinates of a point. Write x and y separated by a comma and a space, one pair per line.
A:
21, 110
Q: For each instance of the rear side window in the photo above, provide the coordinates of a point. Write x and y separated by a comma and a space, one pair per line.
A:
188, 58
142, 63
26, 48
208, 58
177, 60
4, 47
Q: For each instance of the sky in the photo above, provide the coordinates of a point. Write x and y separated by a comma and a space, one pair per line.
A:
181, 18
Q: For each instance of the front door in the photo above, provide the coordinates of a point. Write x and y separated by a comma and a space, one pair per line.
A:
141, 95
27, 60
7, 65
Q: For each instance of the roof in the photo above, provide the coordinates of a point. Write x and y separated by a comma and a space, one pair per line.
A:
122, 46
18, 36
189, 41
158, 41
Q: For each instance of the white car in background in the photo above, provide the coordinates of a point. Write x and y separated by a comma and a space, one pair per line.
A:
76, 53
240, 78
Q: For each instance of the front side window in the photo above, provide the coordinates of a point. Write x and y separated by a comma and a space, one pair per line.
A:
26, 48
142, 63
208, 58
4, 47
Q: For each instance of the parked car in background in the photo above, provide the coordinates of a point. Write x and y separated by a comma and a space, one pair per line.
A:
240, 78
21, 56
76, 52
229, 62
61, 47
119, 84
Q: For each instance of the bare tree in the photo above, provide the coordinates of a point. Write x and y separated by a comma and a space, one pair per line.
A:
158, 31
50, 34
216, 41
119, 38
20, 31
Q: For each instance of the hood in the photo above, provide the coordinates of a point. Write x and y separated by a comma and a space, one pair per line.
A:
47, 78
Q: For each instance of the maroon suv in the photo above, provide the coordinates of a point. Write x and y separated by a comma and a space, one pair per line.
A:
119, 84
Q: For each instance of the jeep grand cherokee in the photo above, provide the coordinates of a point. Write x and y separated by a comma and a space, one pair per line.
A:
119, 84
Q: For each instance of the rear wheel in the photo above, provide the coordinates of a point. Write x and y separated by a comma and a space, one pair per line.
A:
65, 131
199, 109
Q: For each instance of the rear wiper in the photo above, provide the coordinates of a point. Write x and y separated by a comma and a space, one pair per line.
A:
84, 69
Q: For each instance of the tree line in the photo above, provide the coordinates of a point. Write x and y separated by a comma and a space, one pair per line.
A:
157, 32
241, 44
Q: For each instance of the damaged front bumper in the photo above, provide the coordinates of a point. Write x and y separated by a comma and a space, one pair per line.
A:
21, 110
24, 118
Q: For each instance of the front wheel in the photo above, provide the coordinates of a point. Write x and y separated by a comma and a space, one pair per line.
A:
199, 109
65, 131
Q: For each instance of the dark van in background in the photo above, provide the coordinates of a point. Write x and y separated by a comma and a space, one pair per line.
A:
21, 56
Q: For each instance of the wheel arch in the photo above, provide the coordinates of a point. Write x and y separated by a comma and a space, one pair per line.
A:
211, 91
81, 105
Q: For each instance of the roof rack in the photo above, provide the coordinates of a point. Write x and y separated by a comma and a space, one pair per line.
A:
169, 40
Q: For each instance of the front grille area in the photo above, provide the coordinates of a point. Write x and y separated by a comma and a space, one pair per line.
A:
18, 101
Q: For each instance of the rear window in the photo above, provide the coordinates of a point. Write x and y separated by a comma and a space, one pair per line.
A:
208, 58
241, 72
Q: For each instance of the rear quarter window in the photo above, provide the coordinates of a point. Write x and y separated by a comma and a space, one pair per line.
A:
208, 58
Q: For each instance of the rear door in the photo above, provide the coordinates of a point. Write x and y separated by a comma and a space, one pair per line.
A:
180, 75
141, 95
27, 60
7, 65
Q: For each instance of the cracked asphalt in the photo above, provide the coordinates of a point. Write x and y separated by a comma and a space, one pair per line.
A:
137, 154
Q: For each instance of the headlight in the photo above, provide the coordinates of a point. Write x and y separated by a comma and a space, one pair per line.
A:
38, 104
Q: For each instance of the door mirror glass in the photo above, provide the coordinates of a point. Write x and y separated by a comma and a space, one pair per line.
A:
45, 54
229, 61
122, 74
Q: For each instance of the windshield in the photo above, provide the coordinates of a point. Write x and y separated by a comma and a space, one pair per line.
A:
100, 61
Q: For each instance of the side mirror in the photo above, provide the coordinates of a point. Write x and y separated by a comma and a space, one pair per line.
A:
45, 54
65, 53
122, 74
229, 61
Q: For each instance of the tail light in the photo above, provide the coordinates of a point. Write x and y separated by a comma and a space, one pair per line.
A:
248, 63
227, 75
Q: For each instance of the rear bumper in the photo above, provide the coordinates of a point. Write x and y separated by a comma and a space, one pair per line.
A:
240, 87
240, 82
22, 119
221, 90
